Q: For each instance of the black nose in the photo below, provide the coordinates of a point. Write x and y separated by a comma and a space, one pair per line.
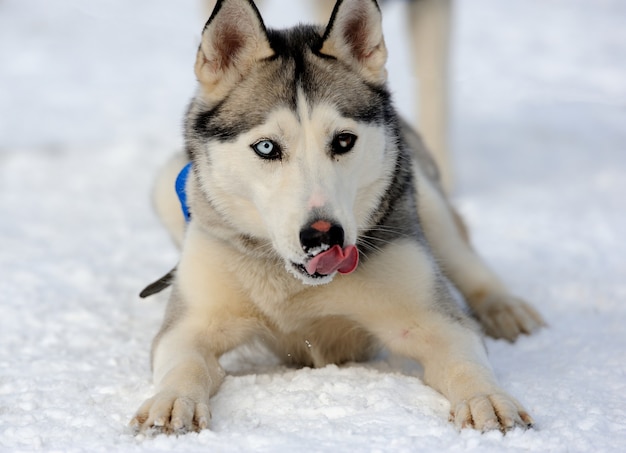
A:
321, 232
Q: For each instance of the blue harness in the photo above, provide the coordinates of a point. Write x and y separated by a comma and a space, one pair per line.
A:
181, 183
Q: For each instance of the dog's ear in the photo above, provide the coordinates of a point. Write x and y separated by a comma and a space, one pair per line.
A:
355, 35
233, 39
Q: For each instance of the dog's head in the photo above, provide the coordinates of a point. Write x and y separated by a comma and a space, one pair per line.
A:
288, 131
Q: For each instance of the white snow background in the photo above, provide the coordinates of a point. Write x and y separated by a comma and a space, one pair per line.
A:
92, 95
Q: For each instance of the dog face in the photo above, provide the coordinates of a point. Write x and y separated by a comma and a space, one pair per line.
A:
286, 132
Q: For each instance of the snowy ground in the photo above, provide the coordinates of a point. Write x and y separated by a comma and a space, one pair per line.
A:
91, 100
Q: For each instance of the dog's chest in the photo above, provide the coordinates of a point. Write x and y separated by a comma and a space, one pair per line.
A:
278, 295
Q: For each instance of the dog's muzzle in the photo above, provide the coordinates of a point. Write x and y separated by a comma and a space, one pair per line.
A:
323, 242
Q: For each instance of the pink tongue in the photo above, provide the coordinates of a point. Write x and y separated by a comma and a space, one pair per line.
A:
334, 259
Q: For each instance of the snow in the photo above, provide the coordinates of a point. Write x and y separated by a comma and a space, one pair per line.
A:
91, 100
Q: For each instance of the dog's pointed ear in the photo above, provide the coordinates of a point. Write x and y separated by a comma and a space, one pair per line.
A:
233, 39
355, 36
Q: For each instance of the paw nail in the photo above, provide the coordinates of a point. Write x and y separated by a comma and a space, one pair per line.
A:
159, 422
177, 424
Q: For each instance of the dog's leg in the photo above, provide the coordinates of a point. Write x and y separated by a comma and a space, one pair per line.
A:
205, 318
399, 296
501, 314
429, 22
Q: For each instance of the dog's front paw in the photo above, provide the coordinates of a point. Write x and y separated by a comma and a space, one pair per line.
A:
171, 413
505, 316
490, 412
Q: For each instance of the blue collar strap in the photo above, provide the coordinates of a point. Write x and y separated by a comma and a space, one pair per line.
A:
181, 184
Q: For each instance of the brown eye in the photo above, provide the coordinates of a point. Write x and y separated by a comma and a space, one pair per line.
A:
342, 143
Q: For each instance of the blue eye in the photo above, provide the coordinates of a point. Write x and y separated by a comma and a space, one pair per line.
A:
267, 149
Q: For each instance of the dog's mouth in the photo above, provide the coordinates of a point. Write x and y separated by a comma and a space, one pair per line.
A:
327, 262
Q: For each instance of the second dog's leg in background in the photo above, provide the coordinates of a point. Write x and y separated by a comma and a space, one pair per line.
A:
429, 25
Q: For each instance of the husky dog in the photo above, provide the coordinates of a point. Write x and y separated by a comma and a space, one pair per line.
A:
317, 225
